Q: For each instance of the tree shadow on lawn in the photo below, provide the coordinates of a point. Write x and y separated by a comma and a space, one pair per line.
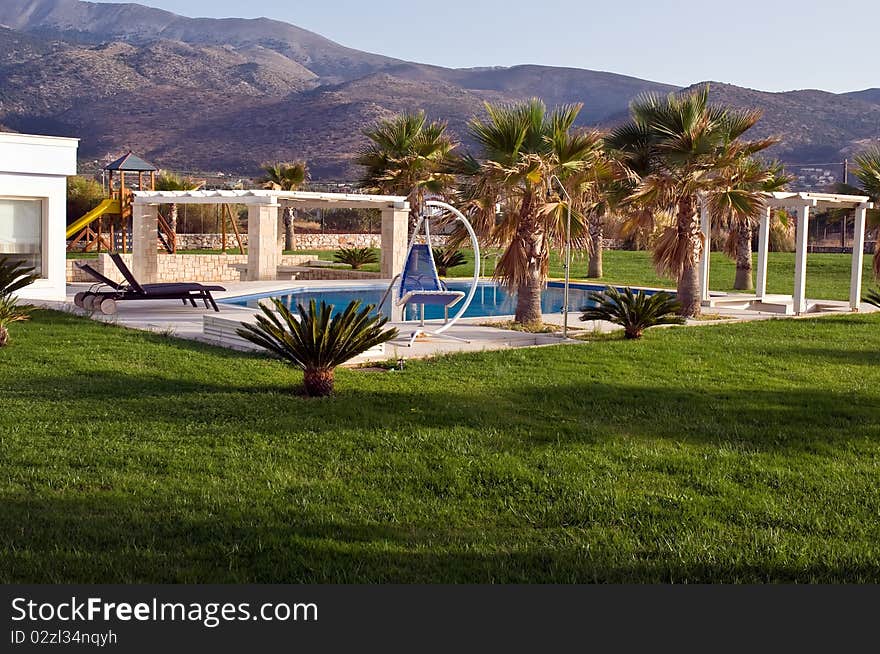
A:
124, 540
822, 355
527, 416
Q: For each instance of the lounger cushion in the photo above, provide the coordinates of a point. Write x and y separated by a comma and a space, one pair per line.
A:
183, 287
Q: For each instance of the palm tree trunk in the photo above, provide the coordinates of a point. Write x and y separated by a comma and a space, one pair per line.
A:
416, 199
319, 383
688, 226
528, 292
174, 215
4, 336
528, 301
288, 228
743, 281
597, 236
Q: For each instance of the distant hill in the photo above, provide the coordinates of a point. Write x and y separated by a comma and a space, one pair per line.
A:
868, 95
212, 94
816, 126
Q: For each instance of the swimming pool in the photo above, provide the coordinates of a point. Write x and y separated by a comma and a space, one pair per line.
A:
490, 299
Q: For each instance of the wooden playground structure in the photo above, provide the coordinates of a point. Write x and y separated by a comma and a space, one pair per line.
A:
108, 226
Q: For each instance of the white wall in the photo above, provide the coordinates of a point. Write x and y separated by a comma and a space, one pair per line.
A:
36, 167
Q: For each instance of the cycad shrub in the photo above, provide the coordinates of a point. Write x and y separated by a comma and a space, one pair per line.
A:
446, 258
14, 276
635, 312
315, 341
356, 257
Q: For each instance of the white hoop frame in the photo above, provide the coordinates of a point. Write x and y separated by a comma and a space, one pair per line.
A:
476, 244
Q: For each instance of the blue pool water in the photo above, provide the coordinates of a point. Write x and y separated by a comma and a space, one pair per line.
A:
490, 299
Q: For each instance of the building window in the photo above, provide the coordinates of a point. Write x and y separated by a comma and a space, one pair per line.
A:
21, 232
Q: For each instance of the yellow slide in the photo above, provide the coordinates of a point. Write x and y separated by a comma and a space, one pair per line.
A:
107, 206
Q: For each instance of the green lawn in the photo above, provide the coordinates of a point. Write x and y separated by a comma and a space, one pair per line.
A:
745, 452
828, 275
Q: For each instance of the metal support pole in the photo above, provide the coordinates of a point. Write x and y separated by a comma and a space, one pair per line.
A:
567, 262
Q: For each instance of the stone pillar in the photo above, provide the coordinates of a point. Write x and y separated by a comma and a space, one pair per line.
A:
395, 226
263, 253
706, 229
144, 233
763, 250
858, 258
800, 262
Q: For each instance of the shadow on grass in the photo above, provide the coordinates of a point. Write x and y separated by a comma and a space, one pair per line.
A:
125, 540
529, 416
825, 354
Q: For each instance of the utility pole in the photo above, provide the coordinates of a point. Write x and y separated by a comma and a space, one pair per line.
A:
846, 171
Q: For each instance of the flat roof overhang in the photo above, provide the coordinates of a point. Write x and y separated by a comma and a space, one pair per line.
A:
818, 200
301, 199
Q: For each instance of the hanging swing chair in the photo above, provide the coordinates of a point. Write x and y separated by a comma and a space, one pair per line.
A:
420, 284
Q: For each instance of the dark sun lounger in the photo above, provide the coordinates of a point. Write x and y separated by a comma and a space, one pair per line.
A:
97, 298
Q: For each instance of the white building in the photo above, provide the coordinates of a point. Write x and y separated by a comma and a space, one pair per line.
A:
33, 207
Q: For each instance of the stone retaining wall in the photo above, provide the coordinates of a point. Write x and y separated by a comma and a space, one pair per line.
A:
301, 241
314, 274
181, 267
870, 247
74, 274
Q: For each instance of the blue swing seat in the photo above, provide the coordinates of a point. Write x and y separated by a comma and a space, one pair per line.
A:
420, 283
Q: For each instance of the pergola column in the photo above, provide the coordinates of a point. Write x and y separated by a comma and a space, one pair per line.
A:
263, 252
395, 241
858, 258
800, 264
145, 253
705, 260
763, 251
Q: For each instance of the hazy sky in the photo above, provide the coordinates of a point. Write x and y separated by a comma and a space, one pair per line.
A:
771, 45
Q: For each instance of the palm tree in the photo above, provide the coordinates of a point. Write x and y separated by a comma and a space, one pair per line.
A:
285, 177
521, 148
868, 173
601, 199
409, 156
677, 147
167, 181
738, 207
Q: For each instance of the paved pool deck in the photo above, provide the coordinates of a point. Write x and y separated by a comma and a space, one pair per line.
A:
469, 335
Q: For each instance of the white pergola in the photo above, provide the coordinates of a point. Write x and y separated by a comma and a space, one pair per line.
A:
803, 204
263, 206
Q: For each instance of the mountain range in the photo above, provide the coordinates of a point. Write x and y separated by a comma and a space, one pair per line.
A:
227, 94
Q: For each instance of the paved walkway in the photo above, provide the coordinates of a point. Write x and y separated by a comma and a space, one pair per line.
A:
173, 318
469, 335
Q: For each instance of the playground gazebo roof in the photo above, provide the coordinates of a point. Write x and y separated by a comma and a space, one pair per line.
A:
131, 163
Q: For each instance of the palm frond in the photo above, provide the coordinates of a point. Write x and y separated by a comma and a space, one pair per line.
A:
14, 276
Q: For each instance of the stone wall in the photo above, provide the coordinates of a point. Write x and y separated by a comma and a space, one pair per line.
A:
181, 267
334, 273
74, 274
318, 241
870, 247
301, 241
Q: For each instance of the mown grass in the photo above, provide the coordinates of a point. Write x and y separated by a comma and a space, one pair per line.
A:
828, 275
738, 453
